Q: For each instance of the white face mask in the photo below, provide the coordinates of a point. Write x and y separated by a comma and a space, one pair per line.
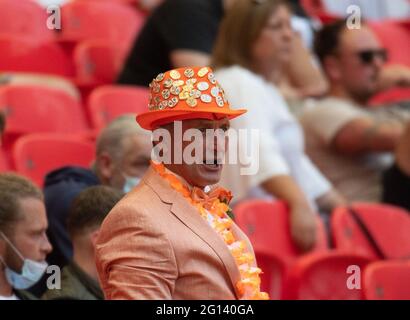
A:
130, 183
31, 271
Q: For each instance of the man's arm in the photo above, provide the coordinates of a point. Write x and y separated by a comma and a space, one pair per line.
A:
365, 135
394, 76
186, 58
134, 259
330, 200
302, 217
305, 77
403, 151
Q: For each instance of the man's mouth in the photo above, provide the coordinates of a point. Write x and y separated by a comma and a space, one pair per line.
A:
213, 165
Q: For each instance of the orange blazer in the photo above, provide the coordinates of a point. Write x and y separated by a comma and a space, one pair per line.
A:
155, 245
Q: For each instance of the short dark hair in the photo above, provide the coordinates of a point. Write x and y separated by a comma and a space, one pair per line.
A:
13, 188
2, 121
90, 208
327, 39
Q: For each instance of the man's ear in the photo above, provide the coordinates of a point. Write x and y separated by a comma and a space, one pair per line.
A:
105, 166
331, 66
94, 236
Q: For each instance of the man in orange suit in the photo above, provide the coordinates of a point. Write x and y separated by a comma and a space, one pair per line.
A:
171, 237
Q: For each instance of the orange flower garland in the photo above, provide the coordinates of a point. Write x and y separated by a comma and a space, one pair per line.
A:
213, 208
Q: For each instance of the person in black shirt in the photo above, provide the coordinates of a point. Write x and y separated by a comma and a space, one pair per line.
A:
178, 33
396, 180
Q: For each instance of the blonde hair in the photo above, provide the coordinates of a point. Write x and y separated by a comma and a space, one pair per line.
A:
239, 29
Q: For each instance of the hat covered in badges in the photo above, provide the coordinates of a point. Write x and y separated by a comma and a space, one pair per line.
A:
185, 93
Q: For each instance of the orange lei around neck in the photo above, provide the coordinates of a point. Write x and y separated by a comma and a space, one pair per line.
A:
214, 210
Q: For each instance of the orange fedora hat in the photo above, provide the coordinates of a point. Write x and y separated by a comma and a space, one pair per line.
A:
185, 93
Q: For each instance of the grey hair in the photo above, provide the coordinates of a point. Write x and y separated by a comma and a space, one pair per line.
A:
111, 139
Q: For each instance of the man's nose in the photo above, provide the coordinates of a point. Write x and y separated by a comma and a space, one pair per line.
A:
288, 33
46, 245
378, 61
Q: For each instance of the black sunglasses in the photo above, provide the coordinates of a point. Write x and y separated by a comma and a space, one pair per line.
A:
368, 56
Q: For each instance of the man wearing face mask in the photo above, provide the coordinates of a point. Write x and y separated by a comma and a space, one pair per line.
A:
23, 240
122, 155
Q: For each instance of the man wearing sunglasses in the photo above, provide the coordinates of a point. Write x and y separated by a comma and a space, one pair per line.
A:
351, 143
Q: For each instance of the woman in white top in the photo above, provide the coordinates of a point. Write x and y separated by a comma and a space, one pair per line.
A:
250, 54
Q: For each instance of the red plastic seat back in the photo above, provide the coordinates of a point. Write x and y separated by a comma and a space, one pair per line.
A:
387, 280
37, 154
17, 54
313, 7
266, 223
97, 62
272, 276
327, 276
24, 18
4, 166
31, 109
108, 102
388, 225
96, 20
396, 38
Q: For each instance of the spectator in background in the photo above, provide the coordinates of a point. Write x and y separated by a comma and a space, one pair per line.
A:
254, 42
178, 33
182, 33
122, 155
23, 240
79, 279
396, 180
349, 142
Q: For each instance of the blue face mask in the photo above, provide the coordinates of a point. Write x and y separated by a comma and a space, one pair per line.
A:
31, 271
130, 183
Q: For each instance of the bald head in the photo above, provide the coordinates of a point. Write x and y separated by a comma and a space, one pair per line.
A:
114, 138
123, 149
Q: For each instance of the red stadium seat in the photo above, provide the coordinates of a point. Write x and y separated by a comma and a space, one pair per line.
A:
396, 38
266, 223
4, 166
273, 274
108, 102
96, 20
97, 62
17, 54
316, 9
325, 276
24, 18
388, 225
31, 109
387, 280
312, 7
37, 154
